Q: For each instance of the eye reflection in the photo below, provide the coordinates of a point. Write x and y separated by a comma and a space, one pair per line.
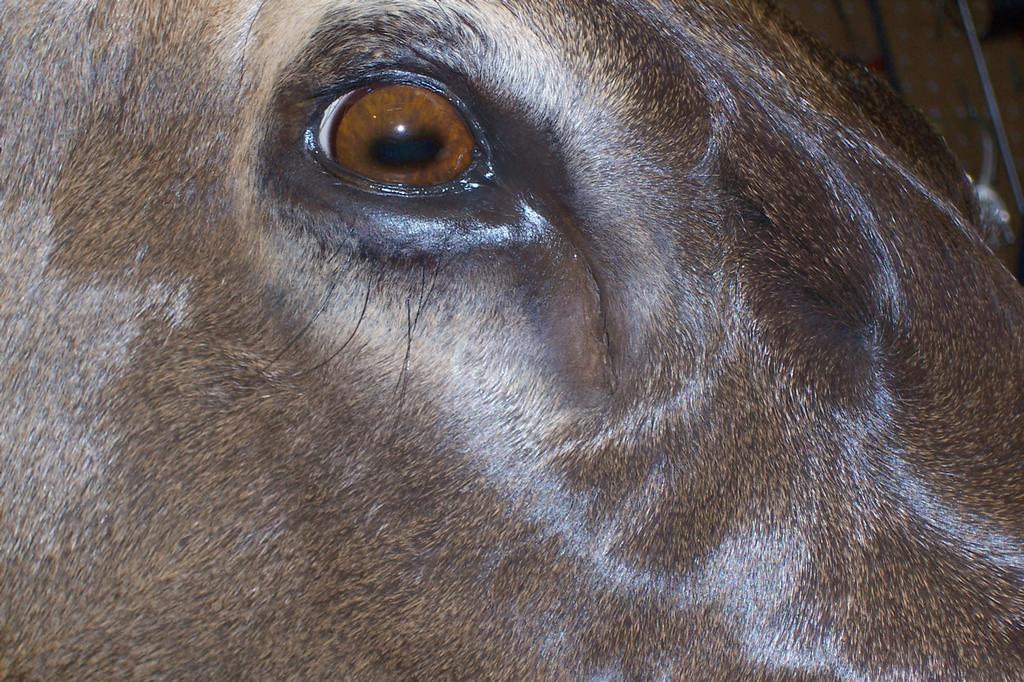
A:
398, 134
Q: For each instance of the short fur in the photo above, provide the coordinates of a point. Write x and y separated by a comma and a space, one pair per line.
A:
714, 380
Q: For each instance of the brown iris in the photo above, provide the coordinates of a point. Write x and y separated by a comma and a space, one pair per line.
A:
399, 134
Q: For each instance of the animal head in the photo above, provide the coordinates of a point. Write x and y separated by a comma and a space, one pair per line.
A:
689, 364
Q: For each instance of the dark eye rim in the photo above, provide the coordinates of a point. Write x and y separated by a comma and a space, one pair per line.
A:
480, 171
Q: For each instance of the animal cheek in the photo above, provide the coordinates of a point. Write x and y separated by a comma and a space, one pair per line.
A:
564, 305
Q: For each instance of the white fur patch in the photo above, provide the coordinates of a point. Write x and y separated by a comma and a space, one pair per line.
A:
63, 345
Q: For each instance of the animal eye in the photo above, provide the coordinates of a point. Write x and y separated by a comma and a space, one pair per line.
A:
398, 134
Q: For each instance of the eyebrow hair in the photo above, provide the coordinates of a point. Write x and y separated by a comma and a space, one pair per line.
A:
480, 46
356, 39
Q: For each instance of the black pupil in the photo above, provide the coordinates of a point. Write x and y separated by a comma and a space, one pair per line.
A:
407, 150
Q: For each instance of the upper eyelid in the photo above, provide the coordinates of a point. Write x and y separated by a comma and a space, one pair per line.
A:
383, 72
343, 50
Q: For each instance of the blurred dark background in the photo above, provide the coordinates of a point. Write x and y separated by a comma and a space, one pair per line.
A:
922, 47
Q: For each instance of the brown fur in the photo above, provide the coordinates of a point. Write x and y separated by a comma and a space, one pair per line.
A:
716, 381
